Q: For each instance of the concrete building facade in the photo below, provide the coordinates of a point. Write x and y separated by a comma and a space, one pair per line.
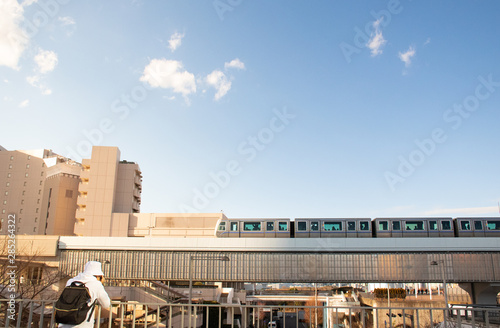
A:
40, 188
107, 186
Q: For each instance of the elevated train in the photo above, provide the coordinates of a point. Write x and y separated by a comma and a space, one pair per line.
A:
358, 228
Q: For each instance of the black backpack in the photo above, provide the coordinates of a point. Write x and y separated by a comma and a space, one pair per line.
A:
72, 307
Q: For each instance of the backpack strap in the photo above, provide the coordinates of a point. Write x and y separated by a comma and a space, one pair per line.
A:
91, 310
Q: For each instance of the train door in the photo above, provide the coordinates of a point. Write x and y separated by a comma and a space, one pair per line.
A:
433, 228
365, 228
314, 229
270, 229
464, 228
234, 229
396, 228
446, 228
352, 231
301, 229
283, 229
382, 228
478, 228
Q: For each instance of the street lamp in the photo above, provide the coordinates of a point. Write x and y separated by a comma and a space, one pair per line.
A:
192, 258
444, 286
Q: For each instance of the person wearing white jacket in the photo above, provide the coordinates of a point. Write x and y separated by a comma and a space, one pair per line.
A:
91, 276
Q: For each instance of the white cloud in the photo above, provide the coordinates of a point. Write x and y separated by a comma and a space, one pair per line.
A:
376, 41
407, 56
35, 81
66, 20
169, 74
427, 41
175, 41
46, 60
13, 40
235, 63
220, 82
24, 103
27, 3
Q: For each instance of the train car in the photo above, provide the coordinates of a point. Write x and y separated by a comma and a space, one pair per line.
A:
477, 227
253, 228
333, 228
413, 227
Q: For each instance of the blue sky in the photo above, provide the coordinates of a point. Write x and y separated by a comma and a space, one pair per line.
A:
266, 109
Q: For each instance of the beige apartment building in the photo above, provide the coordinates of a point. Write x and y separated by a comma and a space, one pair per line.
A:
39, 189
108, 187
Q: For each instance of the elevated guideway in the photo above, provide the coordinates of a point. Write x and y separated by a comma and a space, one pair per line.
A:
284, 244
474, 263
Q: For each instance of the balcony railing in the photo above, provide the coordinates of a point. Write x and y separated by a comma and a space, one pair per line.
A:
32, 314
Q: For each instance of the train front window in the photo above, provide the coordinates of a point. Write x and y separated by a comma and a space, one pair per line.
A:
446, 225
282, 226
465, 225
364, 226
270, 226
222, 226
315, 226
433, 225
383, 226
351, 225
396, 225
234, 226
478, 225
251, 226
301, 226
493, 225
414, 225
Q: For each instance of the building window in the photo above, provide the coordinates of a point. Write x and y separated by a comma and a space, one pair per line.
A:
6, 193
38, 201
10, 166
24, 192
9, 175
11, 158
21, 211
41, 182
3, 211
69, 193
41, 173
26, 175
22, 201
27, 166
25, 183
5, 202
36, 210
7, 184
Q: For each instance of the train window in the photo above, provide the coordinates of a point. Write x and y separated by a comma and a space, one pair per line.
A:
234, 226
446, 225
433, 225
414, 225
493, 225
314, 226
251, 226
222, 226
282, 226
351, 225
478, 225
396, 225
383, 226
364, 226
301, 226
465, 225
270, 226
332, 226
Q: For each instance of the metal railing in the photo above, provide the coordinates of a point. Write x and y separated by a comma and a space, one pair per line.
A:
33, 314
